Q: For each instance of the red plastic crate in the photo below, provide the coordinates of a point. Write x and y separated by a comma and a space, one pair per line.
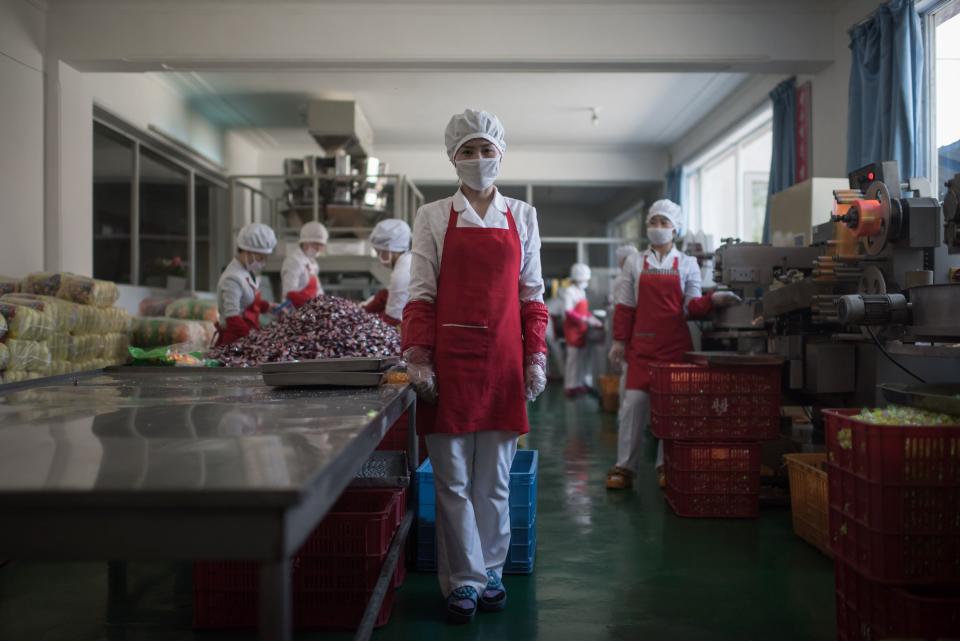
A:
395, 440
895, 557
745, 506
893, 454
713, 479
361, 523
225, 595
698, 402
747, 428
868, 611
910, 509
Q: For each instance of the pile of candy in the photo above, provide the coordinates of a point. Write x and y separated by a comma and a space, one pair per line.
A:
904, 415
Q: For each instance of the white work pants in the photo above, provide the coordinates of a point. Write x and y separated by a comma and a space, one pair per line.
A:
576, 367
472, 477
633, 417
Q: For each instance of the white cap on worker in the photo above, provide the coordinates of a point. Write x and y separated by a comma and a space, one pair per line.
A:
472, 124
624, 252
669, 210
579, 272
391, 235
314, 232
257, 237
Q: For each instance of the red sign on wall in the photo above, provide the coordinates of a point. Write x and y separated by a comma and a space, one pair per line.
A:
804, 140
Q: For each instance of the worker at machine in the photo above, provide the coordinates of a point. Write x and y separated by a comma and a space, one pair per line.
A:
391, 240
473, 339
658, 290
299, 273
577, 321
238, 292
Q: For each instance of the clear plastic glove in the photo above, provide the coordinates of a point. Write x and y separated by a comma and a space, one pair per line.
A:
535, 374
593, 321
617, 353
420, 370
724, 299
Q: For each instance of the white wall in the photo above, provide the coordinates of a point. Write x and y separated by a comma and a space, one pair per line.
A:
22, 42
829, 107
429, 164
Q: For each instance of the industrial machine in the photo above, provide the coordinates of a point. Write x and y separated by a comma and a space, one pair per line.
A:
874, 299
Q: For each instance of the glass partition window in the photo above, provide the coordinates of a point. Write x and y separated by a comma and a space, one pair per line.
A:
164, 242
112, 211
946, 71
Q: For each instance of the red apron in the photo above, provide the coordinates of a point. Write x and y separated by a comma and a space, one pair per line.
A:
239, 326
305, 295
479, 347
574, 327
660, 332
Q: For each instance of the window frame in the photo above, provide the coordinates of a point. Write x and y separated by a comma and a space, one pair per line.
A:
194, 164
929, 10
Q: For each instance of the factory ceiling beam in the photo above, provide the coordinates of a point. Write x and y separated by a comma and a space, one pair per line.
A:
775, 36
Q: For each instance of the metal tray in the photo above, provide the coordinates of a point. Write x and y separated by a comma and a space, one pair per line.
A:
733, 358
383, 469
328, 365
937, 397
323, 379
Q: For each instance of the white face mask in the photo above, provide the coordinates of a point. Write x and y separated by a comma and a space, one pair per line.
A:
385, 258
659, 235
478, 174
311, 253
256, 266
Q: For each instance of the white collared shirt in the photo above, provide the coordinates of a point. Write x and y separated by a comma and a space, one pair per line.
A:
625, 288
430, 229
398, 292
296, 272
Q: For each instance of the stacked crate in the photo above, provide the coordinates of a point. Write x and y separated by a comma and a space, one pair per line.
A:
334, 572
894, 493
712, 420
523, 515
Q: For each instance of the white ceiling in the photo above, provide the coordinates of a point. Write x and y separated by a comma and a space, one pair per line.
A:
412, 108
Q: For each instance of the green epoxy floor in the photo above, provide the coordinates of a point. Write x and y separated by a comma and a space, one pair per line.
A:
614, 566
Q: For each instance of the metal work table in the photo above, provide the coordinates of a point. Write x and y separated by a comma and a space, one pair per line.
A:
178, 464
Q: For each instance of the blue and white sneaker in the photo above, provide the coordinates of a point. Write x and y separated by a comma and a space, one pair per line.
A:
494, 597
462, 605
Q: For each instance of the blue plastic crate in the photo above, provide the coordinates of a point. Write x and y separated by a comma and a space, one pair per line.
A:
523, 513
521, 555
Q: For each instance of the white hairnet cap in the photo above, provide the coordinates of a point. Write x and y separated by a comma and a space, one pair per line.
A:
314, 232
669, 210
473, 124
579, 272
257, 237
391, 235
624, 252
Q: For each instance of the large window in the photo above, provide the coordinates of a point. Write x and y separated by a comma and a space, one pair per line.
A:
156, 210
943, 29
725, 187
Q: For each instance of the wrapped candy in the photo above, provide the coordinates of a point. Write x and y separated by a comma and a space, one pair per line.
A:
44, 283
4, 356
194, 309
158, 332
63, 316
29, 356
151, 306
26, 323
19, 376
59, 346
88, 291
904, 415
9, 285
3, 326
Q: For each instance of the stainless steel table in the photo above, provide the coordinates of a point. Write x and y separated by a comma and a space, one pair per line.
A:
180, 464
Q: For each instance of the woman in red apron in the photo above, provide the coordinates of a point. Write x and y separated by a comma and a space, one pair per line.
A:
577, 320
299, 275
238, 292
473, 338
656, 293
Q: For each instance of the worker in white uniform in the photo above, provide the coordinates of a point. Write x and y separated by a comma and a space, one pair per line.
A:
473, 339
300, 272
658, 291
391, 240
576, 322
238, 292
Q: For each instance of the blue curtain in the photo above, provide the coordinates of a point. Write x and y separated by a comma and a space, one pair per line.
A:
783, 163
675, 184
885, 118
